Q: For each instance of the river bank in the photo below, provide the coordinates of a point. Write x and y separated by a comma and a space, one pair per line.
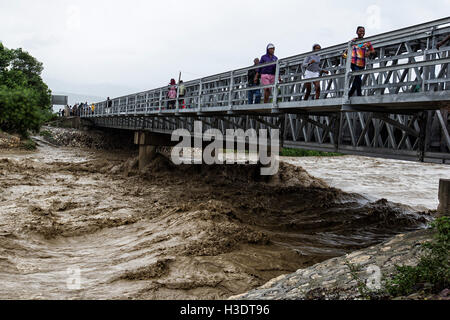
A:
343, 278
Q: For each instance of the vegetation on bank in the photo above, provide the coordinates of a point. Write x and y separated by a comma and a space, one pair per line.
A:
286, 152
432, 273
46, 134
25, 100
429, 277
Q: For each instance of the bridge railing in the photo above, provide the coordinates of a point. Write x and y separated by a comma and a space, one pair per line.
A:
406, 63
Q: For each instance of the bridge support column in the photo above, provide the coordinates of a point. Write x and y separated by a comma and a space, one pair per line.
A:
444, 198
148, 142
146, 155
147, 152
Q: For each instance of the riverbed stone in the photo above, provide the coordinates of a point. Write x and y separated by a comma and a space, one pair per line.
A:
361, 259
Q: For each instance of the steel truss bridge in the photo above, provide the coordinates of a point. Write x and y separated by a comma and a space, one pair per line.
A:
403, 113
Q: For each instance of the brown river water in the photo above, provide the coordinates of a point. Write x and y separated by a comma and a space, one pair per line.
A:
186, 232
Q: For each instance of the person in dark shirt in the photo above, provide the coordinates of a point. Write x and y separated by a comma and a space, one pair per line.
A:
254, 81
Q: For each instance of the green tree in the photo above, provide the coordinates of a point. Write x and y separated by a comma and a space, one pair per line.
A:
25, 100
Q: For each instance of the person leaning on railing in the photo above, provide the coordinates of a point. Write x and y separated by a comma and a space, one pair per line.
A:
313, 70
360, 53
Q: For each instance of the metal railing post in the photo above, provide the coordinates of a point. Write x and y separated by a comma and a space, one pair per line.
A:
348, 72
275, 86
230, 95
200, 89
177, 104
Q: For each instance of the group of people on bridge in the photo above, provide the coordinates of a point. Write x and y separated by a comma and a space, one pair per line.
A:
76, 110
265, 76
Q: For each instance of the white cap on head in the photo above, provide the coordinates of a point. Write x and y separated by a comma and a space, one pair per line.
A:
270, 46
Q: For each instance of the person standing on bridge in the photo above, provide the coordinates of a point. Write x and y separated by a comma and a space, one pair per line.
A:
75, 111
267, 73
254, 81
181, 94
359, 54
313, 70
172, 94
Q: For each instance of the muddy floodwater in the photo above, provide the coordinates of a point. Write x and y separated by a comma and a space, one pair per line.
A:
412, 183
80, 224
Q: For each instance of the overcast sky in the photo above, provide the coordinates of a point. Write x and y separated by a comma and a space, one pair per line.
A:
112, 48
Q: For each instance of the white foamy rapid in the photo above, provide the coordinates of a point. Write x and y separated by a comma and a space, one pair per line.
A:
411, 183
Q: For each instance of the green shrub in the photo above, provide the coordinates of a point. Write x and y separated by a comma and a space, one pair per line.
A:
286, 152
432, 274
46, 134
25, 100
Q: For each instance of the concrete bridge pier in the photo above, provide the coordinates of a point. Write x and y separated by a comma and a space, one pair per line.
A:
444, 198
148, 142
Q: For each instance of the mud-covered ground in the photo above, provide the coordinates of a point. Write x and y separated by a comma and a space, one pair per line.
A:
187, 232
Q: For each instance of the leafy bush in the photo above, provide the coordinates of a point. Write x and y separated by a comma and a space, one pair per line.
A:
46, 134
25, 100
432, 274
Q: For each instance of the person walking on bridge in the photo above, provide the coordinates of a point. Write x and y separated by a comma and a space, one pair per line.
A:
360, 53
313, 70
254, 81
267, 73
